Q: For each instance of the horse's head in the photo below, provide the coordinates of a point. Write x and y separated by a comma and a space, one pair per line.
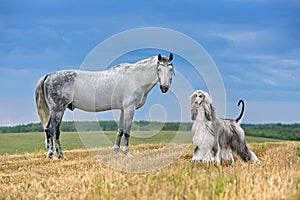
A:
165, 72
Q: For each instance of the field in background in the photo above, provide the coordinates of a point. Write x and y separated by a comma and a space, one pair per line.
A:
34, 142
278, 130
82, 176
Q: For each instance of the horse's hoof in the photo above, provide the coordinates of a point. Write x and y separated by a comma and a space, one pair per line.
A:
54, 158
117, 151
128, 154
61, 156
50, 155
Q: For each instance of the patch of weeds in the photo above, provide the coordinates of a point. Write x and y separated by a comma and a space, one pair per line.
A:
36, 151
89, 153
263, 145
5, 162
28, 184
174, 180
103, 191
152, 178
41, 151
171, 178
237, 185
220, 185
298, 150
193, 196
100, 188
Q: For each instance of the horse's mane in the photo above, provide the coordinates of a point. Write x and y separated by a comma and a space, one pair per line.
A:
133, 66
147, 60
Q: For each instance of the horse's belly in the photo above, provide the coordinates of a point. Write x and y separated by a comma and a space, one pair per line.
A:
94, 97
96, 102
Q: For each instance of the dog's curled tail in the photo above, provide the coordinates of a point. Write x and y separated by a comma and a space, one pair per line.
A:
242, 112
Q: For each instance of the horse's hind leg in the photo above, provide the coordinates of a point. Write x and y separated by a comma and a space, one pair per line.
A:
49, 140
51, 131
57, 143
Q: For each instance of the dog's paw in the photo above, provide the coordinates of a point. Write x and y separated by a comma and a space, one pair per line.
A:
195, 159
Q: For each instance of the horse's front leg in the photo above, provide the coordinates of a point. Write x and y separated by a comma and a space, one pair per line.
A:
128, 117
119, 134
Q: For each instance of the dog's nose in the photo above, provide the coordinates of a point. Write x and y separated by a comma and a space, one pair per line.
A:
164, 89
197, 104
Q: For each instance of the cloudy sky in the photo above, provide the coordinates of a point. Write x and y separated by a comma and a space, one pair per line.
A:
254, 44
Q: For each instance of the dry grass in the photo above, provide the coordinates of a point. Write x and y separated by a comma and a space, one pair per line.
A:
82, 176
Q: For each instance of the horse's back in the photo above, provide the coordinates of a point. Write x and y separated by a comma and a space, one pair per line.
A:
95, 91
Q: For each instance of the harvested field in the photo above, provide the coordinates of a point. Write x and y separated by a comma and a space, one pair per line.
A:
93, 175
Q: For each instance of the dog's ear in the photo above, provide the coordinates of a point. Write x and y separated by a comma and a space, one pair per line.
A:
209, 112
194, 111
209, 109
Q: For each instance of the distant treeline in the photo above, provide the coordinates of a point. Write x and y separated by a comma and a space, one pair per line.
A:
101, 125
278, 131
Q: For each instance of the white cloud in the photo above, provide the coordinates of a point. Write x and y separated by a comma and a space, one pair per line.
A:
240, 37
290, 62
269, 81
285, 74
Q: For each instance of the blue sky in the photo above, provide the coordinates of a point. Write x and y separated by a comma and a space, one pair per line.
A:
255, 45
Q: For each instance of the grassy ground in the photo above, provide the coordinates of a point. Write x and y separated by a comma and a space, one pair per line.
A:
34, 142
82, 176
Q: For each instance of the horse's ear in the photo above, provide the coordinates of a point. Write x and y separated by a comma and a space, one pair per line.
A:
171, 57
159, 57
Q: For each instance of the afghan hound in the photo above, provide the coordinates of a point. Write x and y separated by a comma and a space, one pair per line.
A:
214, 138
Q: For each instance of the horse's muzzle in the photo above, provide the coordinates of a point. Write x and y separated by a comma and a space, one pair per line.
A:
164, 89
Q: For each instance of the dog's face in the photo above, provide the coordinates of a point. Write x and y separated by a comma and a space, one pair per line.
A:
201, 99
198, 99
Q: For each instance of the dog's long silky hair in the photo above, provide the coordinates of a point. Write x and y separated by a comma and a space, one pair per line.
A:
221, 135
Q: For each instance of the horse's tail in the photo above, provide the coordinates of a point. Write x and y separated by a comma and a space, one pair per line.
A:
41, 104
242, 112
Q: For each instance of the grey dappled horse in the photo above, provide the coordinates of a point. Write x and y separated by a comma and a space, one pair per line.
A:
123, 87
